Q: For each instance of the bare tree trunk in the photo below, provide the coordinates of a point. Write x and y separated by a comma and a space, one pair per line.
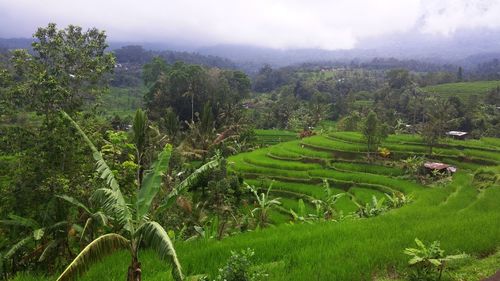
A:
134, 270
192, 106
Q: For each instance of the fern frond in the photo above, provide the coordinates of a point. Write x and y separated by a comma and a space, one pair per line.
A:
93, 252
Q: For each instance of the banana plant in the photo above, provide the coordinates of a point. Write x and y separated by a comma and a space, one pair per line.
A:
132, 214
398, 199
40, 241
374, 208
325, 207
264, 205
429, 261
95, 218
301, 214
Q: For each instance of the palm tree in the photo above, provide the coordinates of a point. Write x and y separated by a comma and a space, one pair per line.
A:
264, 205
326, 207
133, 215
95, 218
41, 240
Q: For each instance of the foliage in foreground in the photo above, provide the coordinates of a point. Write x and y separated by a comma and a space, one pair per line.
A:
134, 224
239, 267
428, 262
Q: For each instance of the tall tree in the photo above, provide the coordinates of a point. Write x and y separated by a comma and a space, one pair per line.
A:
374, 131
439, 117
460, 74
66, 69
68, 66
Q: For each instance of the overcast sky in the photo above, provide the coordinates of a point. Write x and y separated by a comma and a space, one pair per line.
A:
327, 24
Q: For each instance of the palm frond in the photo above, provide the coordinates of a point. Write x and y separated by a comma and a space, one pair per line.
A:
74, 202
101, 218
114, 205
156, 237
123, 212
102, 167
16, 247
51, 246
139, 128
20, 221
190, 181
93, 252
88, 222
152, 182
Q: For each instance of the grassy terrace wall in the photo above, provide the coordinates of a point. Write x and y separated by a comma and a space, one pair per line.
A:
270, 137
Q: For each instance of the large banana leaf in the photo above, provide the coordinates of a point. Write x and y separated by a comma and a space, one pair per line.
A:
20, 221
152, 182
189, 181
139, 128
16, 247
155, 236
96, 250
112, 204
75, 202
125, 216
102, 167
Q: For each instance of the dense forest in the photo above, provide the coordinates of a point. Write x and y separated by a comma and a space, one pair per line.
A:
129, 163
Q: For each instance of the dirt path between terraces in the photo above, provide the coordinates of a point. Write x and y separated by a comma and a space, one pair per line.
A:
495, 277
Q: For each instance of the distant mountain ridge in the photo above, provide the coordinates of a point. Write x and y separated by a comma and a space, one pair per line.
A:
138, 53
466, 48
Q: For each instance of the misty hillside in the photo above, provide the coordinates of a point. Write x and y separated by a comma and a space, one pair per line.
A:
466, 48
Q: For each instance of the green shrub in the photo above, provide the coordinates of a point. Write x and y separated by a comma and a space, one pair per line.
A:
428, 262
239, 268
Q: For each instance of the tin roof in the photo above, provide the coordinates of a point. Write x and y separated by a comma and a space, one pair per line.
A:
436, 165
456, 133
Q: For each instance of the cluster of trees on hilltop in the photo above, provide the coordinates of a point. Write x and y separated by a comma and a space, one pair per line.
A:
130, 60
268, 79
188, 88
337, 93
138, 55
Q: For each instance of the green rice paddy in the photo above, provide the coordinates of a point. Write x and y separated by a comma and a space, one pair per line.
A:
463, 90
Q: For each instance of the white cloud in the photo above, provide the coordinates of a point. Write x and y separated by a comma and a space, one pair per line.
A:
327, 24
447, 16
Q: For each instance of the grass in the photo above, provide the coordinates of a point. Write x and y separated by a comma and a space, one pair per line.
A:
351, 250
364, 195
463, 90
367, 168
123, 101
260, 158
269, 137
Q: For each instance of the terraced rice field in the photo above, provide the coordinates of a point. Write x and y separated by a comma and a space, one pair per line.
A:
298, 167
270, 137
463, 90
